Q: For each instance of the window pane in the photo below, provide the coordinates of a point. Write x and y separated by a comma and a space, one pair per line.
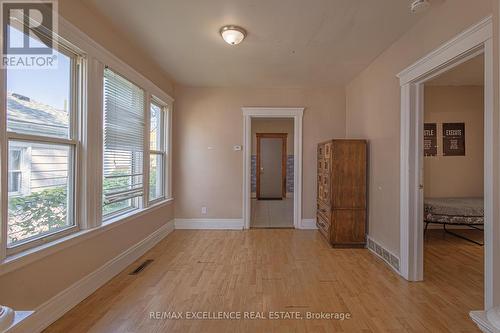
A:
14, 159
123, 144
156, 127
121, 183
38, 101
156, 188
14, 183
42, 203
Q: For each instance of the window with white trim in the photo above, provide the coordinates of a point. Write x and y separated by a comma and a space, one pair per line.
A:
123, 179
42, 134
15, 173
158, 150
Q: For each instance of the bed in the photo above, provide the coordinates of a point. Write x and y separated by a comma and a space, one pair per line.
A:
467, 212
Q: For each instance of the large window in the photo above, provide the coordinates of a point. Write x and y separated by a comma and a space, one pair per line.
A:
42, 142
123, 145
158, 153
50, 131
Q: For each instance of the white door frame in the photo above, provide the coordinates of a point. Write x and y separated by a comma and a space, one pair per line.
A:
470, 43
260, 112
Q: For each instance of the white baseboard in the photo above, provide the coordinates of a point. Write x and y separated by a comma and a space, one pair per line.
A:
308, 224
207, 224
480, 318
57, 306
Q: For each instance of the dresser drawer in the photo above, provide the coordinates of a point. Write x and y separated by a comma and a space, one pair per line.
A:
323, 226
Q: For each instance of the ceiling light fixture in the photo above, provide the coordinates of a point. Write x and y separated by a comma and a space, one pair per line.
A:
419, 6
233, 35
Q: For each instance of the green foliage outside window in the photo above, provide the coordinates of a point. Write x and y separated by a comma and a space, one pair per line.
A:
37, 213
46, 211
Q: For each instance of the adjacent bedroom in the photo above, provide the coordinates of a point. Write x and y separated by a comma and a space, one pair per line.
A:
454, 179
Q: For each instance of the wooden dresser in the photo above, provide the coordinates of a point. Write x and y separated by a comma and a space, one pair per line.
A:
341, 200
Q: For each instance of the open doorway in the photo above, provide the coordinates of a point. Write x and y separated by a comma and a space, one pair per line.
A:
472, 42
272, 173
453, 179
250, 113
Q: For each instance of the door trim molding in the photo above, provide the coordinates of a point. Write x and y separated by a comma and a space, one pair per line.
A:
471, 42
284, 138
269, 112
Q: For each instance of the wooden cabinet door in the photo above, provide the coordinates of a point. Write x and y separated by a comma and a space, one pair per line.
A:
349, 175
348, 227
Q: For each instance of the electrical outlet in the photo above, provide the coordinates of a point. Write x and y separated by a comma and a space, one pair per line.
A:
204, 210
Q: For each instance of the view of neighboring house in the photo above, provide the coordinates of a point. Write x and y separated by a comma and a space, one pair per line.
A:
37, 171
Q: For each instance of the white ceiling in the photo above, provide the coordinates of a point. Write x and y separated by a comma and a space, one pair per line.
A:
470, 73
289, 42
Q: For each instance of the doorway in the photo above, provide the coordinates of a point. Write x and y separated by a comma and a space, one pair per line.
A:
249, 162
271, 165
272, 173
453, 179
472, 42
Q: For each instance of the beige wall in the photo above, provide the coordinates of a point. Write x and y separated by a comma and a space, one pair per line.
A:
32, 285
212, 117
270, 125
373, 106
456, 176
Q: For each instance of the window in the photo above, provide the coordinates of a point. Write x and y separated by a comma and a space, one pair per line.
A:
45, 132
123, 145
15, 172
42, 113
157, 157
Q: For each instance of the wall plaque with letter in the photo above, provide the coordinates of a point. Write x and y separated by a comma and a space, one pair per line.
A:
430, 139
454, 139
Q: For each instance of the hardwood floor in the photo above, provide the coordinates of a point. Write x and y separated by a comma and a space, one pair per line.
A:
284, 270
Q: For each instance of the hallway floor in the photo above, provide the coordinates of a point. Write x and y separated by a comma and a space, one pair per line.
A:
284, 270
272, 213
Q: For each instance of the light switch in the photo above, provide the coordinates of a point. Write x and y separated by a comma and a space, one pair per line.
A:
237, 147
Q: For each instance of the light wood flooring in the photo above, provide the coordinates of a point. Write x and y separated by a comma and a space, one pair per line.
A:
284, 270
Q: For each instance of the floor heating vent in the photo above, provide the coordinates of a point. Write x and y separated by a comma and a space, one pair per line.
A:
383, 253
141, 267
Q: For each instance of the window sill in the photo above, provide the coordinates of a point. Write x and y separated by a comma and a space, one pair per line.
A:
34, 254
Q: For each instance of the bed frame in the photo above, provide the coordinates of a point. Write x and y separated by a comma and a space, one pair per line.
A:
444, 224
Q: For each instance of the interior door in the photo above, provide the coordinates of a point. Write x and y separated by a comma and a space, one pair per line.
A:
271, 150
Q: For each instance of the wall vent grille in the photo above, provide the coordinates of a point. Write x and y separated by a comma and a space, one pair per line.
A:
141, 267
384, 254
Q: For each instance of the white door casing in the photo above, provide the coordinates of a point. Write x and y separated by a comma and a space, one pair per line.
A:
468, 44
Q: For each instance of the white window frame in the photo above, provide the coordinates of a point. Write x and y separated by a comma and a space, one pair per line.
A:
72, 142
21, 170
162, 150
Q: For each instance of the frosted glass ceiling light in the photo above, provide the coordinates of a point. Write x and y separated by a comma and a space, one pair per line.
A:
232, 34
